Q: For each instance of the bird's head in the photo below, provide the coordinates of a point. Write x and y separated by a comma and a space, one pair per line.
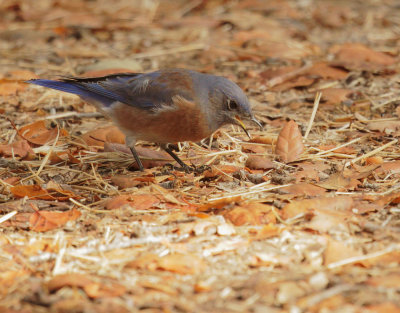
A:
233, 106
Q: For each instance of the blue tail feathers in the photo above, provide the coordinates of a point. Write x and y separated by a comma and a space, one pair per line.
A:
59, 85
74, 88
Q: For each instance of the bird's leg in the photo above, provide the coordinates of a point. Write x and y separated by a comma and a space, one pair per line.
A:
130, 142
167, 149
137, 159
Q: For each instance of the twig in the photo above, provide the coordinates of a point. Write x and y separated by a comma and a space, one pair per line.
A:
7, 216
375, 151
46, 158
282, 78
314, 112
250, 192
73, 114
363, 257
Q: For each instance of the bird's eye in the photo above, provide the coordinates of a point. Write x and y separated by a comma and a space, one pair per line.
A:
232, 105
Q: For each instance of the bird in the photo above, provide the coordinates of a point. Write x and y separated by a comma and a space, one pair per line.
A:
164, 106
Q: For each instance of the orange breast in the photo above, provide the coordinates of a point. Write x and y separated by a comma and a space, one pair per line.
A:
183, 121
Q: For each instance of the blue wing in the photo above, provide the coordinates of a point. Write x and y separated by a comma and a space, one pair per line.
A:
145, 91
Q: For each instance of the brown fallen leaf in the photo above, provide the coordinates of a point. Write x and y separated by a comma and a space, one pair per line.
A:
10, 88
388, 281
251, 148
338, 182
386, 307
343, 150
332, 15
338, 251
374, 160
267, 231
268, 140
286, 78
256, 162
138, 202
309, 205
326, 71
220, 203
303, 189
47, 220
99, 136
356, 56
220, 170
185, 264
391, 257
19, 75
124, 182
88, 283
324, 220
386, 127
289, 145
40, 132
335, 96
389, 167
52, 192
150, 158
19, 148
68, 280
251, 213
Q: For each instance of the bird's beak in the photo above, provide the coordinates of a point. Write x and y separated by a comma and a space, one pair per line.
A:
240, 123
253, 119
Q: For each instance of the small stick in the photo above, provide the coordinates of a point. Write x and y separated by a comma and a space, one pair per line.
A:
363, 257
73, 114
375, 151
46, 158
314, 112
282, 78
250, 192
7, 216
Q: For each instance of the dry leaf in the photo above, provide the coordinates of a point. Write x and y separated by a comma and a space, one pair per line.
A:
267, 231
303, 189
47, 220
359, 57
98, 137
389, 258
256, 162
338, 251
308, 205
38, 132
251, 213
87, 283
53, 192
124, 182
137, 202
19, 148
387, 307
289, 145
325, 71
387, 281
220, 170
220, 203
338, 182
387, 127
335, 96
10, 88
185, 264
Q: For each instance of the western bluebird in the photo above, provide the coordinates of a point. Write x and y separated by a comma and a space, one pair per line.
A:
166, 106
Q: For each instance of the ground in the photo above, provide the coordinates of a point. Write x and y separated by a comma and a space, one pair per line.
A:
302, 217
